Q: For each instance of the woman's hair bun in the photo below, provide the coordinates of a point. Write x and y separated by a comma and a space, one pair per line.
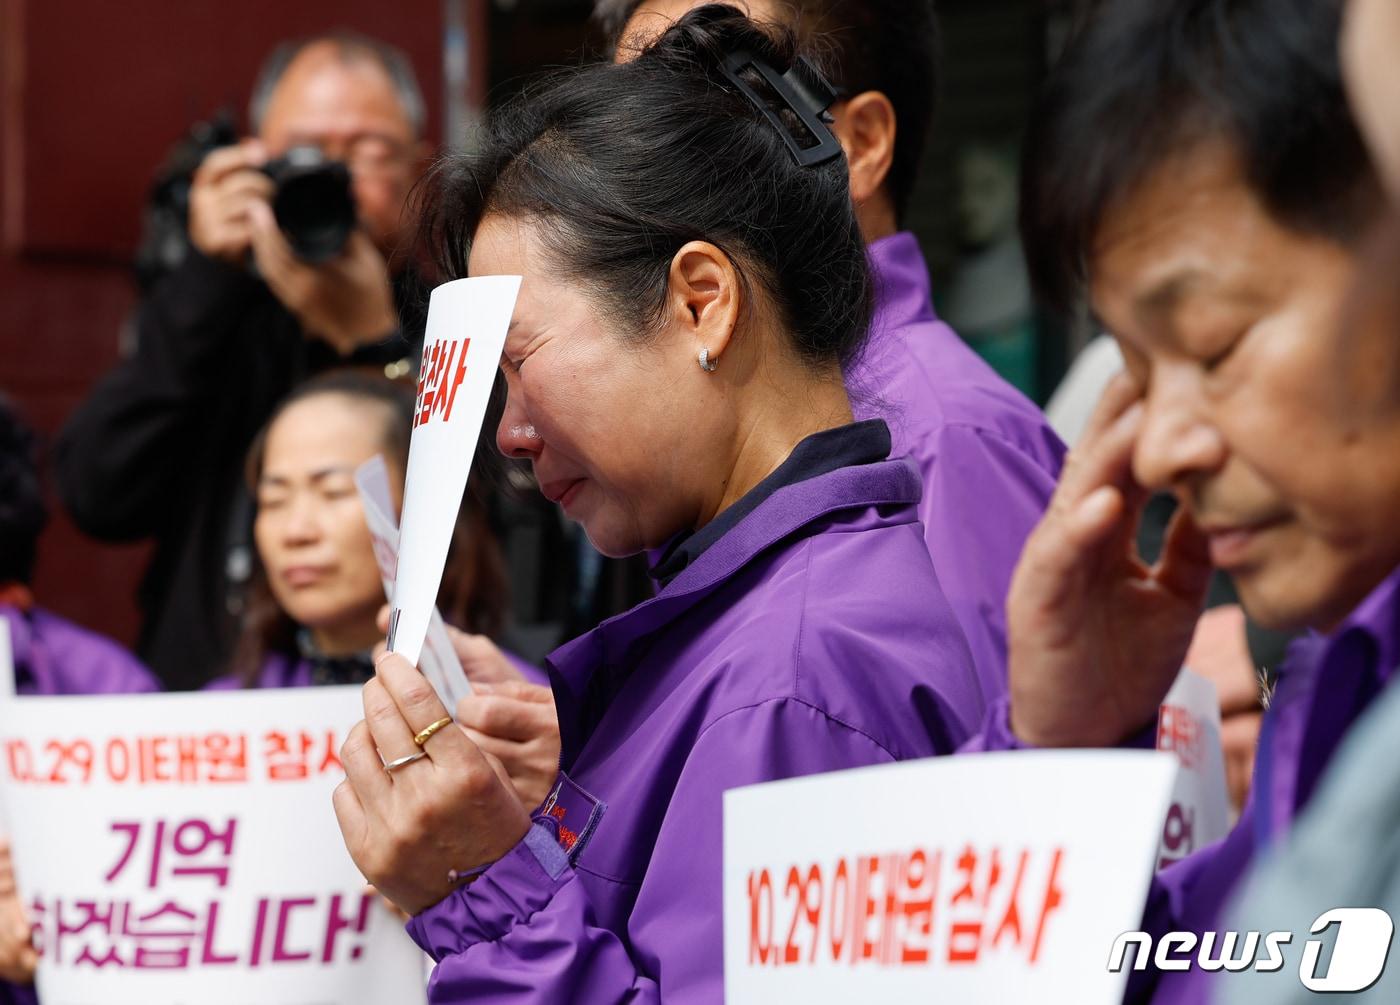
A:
621, 165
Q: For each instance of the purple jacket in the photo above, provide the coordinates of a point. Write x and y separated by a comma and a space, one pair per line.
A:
987, 457
1324, 686
811, 637
278, 670
53, 656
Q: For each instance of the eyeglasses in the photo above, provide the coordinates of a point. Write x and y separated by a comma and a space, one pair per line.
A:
367, 154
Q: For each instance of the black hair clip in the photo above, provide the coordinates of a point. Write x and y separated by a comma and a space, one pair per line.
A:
803, 90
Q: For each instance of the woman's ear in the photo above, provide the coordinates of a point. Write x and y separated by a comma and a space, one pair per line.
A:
705, 297
865, 125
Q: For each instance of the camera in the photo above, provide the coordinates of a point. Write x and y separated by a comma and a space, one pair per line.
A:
165, 221
312, 202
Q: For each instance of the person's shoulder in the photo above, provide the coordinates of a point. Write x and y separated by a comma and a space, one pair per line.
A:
850, 622
875, 596
278, 670
86, 662
942, 389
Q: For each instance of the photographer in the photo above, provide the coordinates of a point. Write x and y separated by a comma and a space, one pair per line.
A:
156, 450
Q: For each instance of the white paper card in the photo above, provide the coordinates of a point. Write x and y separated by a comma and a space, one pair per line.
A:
1188, 726
979, 878
7, 661
438, 661
467, 322
182, 848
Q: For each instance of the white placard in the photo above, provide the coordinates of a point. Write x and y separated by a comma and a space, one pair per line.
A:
1188, 726
980, 878
7, 692
182, 848
467, 322
438, 660
7, 661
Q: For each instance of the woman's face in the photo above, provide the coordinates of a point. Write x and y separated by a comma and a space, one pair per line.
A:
1275, 424
310, 528
617, 431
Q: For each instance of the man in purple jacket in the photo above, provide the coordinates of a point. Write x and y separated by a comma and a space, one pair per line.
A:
1195, 166
987, 458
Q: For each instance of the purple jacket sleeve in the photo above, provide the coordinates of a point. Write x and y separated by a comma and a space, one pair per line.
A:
526, 931
17, 994
996, 734
983, 495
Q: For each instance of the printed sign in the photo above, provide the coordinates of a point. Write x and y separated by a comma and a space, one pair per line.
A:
438, 661
986, 877
182, 848
7, 661
467, 322
1188, 726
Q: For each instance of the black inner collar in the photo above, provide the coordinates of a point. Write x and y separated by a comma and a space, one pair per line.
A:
846, 446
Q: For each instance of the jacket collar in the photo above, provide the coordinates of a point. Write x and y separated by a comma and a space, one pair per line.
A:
903, 291
575, 666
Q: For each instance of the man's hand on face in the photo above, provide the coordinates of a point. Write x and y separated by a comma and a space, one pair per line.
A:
226, 187
347, 301
1095, 636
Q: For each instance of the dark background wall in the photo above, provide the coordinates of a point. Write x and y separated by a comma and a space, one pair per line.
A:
92, 96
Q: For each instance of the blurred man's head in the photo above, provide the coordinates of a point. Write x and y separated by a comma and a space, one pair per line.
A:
358, 100
1195, 169
22, 510
882, 56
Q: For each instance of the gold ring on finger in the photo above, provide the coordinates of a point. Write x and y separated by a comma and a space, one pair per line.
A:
426, 733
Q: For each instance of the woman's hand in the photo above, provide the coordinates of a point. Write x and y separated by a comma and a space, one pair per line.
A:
18, 960
509, 718
515, 722
447, 811
1095, 637
482, 660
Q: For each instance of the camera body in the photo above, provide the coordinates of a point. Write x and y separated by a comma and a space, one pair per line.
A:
313, 202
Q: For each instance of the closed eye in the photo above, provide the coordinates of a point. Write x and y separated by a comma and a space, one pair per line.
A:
1213, 362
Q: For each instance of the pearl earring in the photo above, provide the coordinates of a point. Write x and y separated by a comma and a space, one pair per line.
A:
705, 363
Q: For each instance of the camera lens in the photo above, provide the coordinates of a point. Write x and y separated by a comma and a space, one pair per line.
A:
313, 203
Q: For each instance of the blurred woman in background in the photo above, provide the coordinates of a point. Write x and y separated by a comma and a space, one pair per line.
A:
317, 589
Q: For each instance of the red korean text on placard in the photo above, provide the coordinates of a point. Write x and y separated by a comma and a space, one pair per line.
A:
1179, 732
199, 848
180, 927
177, 934
440, 376
919, 908
192, 759
296, 755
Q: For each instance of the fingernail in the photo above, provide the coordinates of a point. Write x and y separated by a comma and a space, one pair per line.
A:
483, 687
